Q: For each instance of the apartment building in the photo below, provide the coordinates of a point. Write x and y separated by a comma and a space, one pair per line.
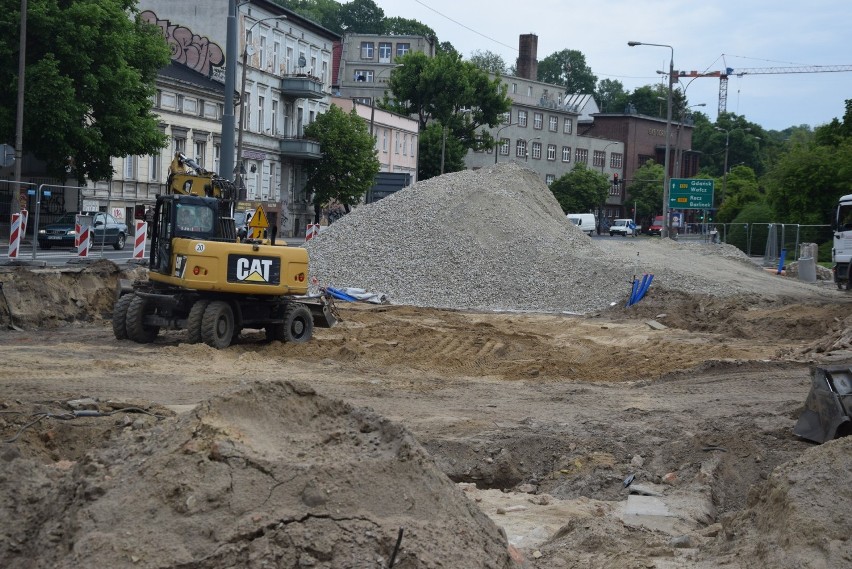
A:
287, 78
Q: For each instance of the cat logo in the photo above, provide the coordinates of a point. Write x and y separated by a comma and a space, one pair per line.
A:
254, 269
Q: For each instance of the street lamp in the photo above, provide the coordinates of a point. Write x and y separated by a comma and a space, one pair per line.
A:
240, 166
497, 139
727, 138
666, 229
527, 147
373, 98
677, 168
603, 165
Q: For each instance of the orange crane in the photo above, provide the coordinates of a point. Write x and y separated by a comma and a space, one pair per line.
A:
739, 72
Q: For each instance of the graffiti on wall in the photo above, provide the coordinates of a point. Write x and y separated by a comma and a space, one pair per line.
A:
192, 50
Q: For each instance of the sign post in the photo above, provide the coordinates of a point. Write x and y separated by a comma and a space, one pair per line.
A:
690, 194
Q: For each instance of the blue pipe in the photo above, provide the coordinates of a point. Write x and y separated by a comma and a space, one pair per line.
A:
781, 261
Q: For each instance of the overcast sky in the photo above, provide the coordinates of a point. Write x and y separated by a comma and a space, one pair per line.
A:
705, 36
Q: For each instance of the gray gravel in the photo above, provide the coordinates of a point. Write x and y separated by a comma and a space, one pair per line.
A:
497, 239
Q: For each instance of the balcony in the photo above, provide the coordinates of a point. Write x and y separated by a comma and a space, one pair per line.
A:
302, 86
303, 148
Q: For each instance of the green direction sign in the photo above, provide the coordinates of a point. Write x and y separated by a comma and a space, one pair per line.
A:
690, 194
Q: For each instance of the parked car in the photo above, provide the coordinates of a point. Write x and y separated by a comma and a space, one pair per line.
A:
105, 229
584, 221
656, 228
623, 227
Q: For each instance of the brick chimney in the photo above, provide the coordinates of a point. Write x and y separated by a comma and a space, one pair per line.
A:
527, 64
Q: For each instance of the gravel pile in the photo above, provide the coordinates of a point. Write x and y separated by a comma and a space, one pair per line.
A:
497, 239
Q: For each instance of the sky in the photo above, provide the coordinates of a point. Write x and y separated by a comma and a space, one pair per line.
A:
704, 36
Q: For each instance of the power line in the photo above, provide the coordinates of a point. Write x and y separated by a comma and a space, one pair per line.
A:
465, 27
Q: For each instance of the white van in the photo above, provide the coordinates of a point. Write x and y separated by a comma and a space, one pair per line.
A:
585, 221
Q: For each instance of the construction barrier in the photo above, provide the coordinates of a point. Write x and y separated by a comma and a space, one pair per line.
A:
25, 216
311, 231
139, 242
15, 236
78, 230
84, 242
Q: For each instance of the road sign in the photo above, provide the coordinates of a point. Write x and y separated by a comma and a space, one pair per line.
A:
258, 220
7, 156
690, 194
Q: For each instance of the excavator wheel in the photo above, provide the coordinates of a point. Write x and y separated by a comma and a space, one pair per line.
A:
217, 325
298, 323
135, 321
194, 320
119, 316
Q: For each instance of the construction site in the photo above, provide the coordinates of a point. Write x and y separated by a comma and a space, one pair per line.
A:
505, 399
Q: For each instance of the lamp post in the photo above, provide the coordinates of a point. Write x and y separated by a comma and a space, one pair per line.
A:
600, 208
727, 139
373, 99
527, 147
19, 120
677, 168
497, 139
666, 222
240, 166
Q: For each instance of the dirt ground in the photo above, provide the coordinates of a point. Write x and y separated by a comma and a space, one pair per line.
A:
537, 419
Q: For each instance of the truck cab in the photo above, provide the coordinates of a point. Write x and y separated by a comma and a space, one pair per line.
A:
841, 251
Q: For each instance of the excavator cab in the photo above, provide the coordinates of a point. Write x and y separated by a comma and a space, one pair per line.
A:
188, 217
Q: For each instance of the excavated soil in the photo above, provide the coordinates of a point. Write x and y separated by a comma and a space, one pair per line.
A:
487, 439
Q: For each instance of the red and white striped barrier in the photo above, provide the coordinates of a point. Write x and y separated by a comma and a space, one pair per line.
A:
15, 236
84, 237
25, 216
311, 231
139, 242
78, 229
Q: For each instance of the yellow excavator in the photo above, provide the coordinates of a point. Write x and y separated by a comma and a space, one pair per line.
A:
202, 280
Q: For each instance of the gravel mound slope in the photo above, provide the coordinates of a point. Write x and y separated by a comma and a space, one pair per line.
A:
497, 239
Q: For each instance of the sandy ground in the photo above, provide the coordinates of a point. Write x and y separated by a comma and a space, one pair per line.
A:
533, 420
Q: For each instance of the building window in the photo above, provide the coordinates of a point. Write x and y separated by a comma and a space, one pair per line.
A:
536, 150
274, 117
566, 154
616, 160
276, 53
201, 152
180, 145
521, 148
154, 168
507, 118
367, 48
514, 88
582, 156
217, 156
504, 147
598, 158
402, 49
261, 119
129, 167
385, 49
522, 118
288, 60
551, 152
549, 179
529, 91
538, 120
263, 53
553, 123
385, 140
568, 127
364, 75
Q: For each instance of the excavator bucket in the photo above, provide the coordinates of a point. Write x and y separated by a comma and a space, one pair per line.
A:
828, 409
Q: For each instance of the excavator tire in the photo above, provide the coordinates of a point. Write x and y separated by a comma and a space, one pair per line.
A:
135, 322
119, 316
298, 323
217, 325
194, 320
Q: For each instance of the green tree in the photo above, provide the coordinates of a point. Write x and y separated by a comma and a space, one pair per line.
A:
646, 190
567, 68
430, 147
90, 79
742, 190
750, 226
348, 165
488, 61
611, 96
324, 12
581, 189
363, 17
397, 26
455, 93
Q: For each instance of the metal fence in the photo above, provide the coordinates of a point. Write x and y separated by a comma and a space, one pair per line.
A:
769, 240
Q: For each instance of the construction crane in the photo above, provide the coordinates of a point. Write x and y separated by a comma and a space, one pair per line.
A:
739, 72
